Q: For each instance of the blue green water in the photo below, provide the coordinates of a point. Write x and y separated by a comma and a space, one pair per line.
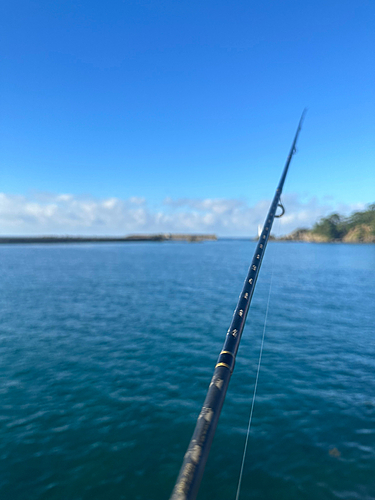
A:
106, 352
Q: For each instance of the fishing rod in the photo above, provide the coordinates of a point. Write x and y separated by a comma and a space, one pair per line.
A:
189, 478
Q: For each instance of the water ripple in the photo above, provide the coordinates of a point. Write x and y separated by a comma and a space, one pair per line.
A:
106, 364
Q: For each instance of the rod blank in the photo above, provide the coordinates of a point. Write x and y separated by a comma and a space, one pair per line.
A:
188, 481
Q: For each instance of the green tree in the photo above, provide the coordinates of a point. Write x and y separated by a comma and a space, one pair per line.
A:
330, 227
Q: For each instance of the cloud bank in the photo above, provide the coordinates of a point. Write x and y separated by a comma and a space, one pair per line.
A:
66, 214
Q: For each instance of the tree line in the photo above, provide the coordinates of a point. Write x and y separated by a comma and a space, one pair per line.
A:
337, 227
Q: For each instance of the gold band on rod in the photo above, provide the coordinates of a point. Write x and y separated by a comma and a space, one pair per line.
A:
223, 364
227, 352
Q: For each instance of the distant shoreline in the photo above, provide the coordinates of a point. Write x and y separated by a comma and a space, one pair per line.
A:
190, 238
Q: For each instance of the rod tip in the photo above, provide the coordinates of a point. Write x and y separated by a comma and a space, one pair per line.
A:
302, 117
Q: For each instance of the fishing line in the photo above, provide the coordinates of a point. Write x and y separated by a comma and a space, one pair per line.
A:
256, 380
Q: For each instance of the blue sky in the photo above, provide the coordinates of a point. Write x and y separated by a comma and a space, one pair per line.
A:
147, 116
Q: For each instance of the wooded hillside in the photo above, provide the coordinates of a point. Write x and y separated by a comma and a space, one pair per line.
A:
359, 227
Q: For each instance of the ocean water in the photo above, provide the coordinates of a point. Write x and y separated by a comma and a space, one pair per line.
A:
107, 350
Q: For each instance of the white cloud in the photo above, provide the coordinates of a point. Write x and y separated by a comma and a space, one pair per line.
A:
48, 213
